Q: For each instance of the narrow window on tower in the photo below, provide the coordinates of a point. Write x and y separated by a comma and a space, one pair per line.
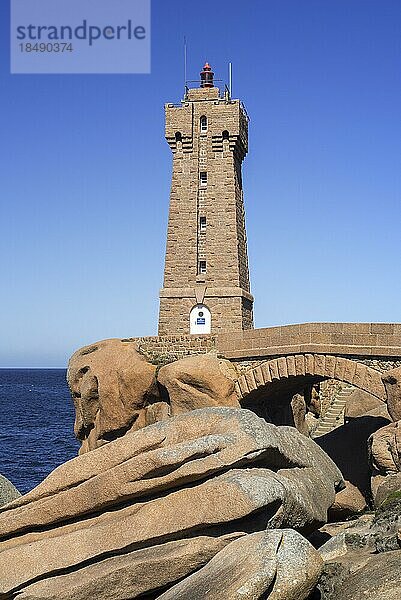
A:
202, 224
203, 178
203, 124
202, 266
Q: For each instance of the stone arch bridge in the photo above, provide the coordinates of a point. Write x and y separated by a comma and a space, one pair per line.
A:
278, 357
274, 372
278, 361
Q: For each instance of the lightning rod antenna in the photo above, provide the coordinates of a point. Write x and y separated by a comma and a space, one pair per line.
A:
185, 63
230, 78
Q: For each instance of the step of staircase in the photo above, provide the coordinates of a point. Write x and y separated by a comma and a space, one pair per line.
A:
334, 416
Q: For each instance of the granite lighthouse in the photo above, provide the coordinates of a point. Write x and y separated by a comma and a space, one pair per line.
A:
206, 285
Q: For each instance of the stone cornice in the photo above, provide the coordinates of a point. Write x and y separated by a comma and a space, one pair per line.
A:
211, 292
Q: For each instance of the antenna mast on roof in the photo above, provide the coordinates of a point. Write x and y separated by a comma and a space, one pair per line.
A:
185, 62
230, 79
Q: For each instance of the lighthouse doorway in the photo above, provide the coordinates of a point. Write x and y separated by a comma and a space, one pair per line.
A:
200, 320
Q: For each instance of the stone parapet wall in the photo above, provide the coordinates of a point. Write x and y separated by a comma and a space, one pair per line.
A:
377, 345
348, 339
166, 349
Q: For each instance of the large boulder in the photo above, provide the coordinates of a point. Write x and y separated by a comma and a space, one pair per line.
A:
361, 576
355, 553
132, 574
199, 381
392, 383
211, 472
385, 459
8, 491
173, 453
387, 523
279, 565
362, 404
299, 412
111, 385
349, 502
378, 579
388, 486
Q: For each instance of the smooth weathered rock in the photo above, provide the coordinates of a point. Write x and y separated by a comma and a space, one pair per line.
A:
172, 453
132, 574
8, 491
329, 585
385, 459
385, 449
392, 384
378, 579
355, 534
299, 411
373, 532
351, 549
278, 565
111, 384
158, 411
199, 381
334, 547
64, 523
389, 485
349, 502
387, 523
361, 404
215, 505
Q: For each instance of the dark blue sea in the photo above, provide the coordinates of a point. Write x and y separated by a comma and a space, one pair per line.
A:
37, 418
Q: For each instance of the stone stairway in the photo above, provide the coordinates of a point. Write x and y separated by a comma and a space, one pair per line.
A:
334, 416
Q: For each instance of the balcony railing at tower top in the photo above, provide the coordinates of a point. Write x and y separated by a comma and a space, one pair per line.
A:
224, 94
198, 84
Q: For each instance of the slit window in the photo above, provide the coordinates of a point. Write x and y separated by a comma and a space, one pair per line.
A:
202, 224
203, 124
202, 266
203, 178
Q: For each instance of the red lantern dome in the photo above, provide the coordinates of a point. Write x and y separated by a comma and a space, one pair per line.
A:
207, 76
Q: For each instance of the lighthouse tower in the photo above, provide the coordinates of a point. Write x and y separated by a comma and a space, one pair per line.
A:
206, 278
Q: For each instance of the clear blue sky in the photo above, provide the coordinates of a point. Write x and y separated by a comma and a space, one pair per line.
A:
85, 173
